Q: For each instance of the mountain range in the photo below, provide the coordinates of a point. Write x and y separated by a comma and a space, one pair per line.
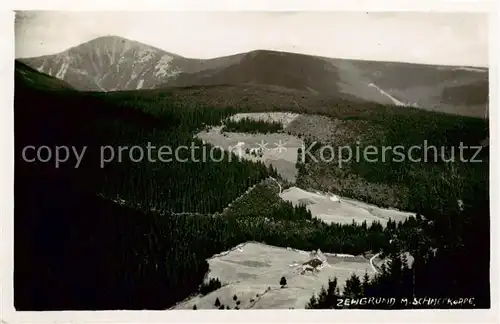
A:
113, 63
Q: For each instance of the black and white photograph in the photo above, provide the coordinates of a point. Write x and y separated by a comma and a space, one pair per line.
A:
251, 160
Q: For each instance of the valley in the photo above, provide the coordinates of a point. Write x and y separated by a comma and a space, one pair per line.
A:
153, 234
284, 159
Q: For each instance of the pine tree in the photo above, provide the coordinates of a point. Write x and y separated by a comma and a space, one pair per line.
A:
333, 293
365, 286
322, 301
313, 303
353, 287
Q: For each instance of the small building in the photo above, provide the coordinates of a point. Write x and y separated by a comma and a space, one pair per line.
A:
316, 263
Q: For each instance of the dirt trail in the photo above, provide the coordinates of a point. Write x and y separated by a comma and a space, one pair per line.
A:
371, 262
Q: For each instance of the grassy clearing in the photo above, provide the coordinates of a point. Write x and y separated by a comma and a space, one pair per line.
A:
252, 272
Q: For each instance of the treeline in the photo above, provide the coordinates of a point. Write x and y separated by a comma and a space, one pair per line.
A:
430, 144
449, 241
450, 251
387, 290
92, 253
131, 134
403, 150
279, 223
249, 125
451, 196
203, 180
89, 252
209, 286
400, 284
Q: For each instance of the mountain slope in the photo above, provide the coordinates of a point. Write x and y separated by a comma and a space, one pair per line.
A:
283, 70
447, 89
29, 77
113, 63
110, 63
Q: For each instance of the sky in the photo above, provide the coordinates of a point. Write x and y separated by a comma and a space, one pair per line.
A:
429, 38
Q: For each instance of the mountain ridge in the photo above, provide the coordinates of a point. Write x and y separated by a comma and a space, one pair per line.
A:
109, 63
114, 63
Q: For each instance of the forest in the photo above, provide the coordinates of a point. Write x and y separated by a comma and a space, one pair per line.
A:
451, 200
447, 264
114, 238
248, 125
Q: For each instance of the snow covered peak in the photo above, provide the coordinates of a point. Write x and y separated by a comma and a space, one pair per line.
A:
110, 63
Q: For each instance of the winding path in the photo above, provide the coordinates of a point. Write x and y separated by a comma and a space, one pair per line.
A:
371, 262
276, 183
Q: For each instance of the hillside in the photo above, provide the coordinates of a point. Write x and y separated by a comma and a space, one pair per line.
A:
143, 230
446, 89
113, 63
110, 63
114, 224
278, 69
31, 78
450, 89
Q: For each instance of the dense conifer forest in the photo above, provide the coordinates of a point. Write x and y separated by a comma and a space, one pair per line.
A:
113, 237
451, 199
447, 267
248, 125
